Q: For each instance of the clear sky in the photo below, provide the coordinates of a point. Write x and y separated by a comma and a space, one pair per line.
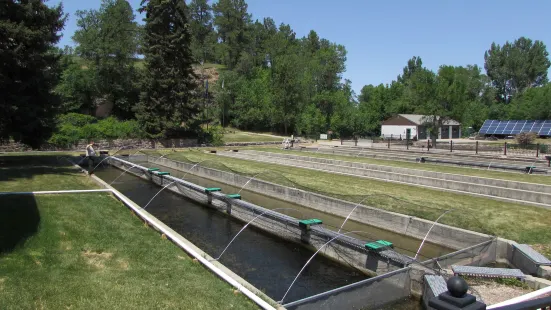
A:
380, 36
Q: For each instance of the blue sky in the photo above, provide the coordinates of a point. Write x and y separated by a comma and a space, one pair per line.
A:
380, 36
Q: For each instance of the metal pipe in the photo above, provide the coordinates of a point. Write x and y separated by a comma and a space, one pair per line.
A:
77, 191
526, 297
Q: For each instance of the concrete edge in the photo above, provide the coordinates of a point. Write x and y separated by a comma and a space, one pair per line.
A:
461, 192
394, 214
401, 157
158, 225
445, 173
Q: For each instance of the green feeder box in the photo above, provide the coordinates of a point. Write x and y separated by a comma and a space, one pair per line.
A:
305, 224
212, 189
234, 196
153, 169
385, 243
374, 246
163, 173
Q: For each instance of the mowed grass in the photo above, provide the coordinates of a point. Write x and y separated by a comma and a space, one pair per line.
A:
250, 137
526, 224
512, 176
40, 172
86, 251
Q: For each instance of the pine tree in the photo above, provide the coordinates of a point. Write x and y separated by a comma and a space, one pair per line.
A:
202, 29
29, 69
167, 101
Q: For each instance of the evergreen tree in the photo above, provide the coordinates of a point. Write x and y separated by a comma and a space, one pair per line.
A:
167, 101
202, 29
29, 69
232, 22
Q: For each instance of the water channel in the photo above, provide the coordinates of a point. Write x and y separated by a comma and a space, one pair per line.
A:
402, 243
267, 262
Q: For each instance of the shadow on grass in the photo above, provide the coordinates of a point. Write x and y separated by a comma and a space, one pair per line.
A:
33, 160
26, 167
19, 220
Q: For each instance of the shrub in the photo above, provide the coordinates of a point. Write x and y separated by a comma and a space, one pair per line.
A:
213, 135
76, 119
525, 138
73, 127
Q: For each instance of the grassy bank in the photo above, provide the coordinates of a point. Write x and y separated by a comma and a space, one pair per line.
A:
250, 137
508, 220
512, 176
86, 251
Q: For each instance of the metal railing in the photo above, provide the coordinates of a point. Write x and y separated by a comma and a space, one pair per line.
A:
542, 303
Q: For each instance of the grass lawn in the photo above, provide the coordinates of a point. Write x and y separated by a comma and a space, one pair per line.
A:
521, 223
86, 251
250, 137
40, 173
521, 177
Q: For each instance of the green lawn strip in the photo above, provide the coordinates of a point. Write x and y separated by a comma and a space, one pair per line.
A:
90, 253
250, 137
40, 153
530, 178
518, 222
41, 173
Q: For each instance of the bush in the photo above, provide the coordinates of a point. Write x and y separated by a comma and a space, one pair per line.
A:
73, 127
213, 135
525, 138
76, 119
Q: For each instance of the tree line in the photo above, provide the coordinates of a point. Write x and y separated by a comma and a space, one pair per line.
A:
151, 74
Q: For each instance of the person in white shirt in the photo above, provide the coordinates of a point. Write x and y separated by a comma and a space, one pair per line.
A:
90, 153
90, 149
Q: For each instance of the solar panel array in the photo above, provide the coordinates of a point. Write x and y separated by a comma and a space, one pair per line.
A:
493, 127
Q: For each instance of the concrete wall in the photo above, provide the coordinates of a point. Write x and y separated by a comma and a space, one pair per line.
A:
444, 235
534, 187
118, 143
344, 249
530, 193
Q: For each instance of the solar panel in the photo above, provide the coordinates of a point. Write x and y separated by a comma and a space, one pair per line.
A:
513, 127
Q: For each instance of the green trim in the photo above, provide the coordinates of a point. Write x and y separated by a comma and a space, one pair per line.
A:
212, 189
234, 196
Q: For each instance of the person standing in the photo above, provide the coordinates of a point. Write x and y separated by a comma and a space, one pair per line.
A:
91, 154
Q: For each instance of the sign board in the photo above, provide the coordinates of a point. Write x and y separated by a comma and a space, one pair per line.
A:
323, 136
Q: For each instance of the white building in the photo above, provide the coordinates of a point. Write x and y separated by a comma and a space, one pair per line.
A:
397, 127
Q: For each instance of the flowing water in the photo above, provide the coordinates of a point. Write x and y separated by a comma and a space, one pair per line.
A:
267, 262
403, 244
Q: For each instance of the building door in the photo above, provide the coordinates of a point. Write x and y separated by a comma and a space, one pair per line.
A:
445, 132
455, 132
421, 133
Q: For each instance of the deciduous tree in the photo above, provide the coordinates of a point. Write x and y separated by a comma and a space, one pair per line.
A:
517, 66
